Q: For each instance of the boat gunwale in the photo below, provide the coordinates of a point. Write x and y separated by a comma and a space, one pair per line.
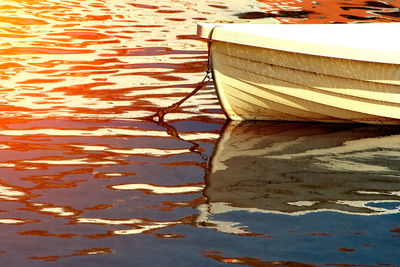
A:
227, 33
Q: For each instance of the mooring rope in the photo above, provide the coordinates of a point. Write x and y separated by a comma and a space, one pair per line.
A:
158, 117
161, 112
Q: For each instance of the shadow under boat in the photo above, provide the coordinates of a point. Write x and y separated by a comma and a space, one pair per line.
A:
297, 168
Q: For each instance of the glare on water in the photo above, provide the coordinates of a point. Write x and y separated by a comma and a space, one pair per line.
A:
87, 179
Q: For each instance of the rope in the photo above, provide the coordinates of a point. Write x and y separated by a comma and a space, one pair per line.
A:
161, 112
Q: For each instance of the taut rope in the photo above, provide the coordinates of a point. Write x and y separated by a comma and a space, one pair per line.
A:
161, 112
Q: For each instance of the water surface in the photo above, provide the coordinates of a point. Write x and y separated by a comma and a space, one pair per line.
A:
86, 179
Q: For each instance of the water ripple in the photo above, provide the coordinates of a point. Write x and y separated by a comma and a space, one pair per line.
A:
86, 177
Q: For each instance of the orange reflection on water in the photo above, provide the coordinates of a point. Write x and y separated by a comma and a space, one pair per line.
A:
97, 175
82, 172
332, 11
251, 261
92, 58
83, 252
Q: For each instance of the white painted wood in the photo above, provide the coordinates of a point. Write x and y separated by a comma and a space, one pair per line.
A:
376, 42
257, 80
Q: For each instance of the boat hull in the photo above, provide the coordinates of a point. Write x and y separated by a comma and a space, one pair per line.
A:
257, 83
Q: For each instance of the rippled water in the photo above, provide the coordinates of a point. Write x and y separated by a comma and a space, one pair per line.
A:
87, 180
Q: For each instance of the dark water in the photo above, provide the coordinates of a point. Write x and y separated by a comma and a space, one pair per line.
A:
87, 180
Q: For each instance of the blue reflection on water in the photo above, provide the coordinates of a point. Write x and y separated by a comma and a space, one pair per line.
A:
385, 205
320, 238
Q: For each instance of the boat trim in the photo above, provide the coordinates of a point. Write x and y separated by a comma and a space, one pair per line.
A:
372, 42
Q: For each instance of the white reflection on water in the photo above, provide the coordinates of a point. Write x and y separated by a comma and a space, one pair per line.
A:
160, 189
58, 211
107, 132
344, 157
12, 221
10, 193
66, 162
289, 168
141, 226
138, 151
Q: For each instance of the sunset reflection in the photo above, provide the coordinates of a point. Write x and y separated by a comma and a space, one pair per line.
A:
88, 177
82, 60
335, 11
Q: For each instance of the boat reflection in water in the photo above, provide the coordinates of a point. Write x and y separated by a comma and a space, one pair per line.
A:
302, 168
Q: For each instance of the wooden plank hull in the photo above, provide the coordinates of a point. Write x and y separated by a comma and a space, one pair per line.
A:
262, 83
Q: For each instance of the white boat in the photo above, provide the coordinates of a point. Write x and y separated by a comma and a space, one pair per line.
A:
307, 72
